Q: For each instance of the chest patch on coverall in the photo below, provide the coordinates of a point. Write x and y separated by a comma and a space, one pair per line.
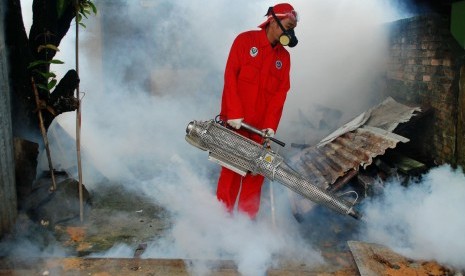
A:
253, 51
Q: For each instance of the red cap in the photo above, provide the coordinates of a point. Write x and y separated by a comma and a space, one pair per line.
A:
281, 11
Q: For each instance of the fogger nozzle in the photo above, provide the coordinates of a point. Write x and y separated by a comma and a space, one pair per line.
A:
189, 127
243, 156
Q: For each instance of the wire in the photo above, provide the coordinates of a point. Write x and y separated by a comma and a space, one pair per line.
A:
349, 192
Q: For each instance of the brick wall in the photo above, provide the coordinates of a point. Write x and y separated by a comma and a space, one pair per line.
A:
423, 69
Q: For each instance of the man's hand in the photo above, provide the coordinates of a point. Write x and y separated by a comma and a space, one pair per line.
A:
235, 123
269, 132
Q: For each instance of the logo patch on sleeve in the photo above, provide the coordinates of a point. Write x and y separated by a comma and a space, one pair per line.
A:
253, 51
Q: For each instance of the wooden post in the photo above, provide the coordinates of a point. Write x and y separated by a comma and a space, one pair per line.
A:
78, 121
44, 134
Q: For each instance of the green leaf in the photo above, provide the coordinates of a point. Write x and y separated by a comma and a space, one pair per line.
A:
47, 75
84, 13
51, 84
56, 61
36, 63
48, 46
40, 62
85, 8
94, 9
82, 24
41, 86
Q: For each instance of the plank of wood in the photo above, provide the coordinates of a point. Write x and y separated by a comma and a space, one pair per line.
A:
378, 260
373, 259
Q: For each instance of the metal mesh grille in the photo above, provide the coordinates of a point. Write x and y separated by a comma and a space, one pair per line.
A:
252, 156
294, 181
227, 144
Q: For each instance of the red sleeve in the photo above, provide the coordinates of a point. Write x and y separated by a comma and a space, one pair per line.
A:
276, 104
231, 106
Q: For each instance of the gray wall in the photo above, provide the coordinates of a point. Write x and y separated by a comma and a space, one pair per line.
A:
8, 210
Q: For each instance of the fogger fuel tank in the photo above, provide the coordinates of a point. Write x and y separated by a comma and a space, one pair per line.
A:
243, 156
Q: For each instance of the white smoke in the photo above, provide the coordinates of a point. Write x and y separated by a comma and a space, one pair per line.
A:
423, 220
137, 103
163, 68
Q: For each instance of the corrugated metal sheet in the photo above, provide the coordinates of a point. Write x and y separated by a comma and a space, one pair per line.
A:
339, 156
355, 144
324, 165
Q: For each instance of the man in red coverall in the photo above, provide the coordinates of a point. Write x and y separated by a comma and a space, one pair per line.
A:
256, 82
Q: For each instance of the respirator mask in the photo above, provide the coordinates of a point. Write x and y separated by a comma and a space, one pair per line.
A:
288, 37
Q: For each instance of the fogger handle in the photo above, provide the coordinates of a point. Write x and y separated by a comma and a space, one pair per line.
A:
261, 133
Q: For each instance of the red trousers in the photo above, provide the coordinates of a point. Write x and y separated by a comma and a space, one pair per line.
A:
229, 186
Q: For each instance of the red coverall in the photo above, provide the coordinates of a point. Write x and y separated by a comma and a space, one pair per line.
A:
256, 82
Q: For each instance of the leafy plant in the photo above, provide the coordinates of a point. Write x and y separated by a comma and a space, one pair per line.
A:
49, 76
84, 8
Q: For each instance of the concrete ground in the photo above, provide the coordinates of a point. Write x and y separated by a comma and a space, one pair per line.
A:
116, 216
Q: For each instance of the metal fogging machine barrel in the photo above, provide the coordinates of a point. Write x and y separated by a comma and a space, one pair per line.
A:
242, 155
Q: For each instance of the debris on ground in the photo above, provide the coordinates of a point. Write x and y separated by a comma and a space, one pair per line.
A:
374, 259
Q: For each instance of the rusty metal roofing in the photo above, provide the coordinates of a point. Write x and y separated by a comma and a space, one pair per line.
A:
355, 144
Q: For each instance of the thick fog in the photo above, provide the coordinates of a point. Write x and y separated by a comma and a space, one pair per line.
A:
423, 221
149, 67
